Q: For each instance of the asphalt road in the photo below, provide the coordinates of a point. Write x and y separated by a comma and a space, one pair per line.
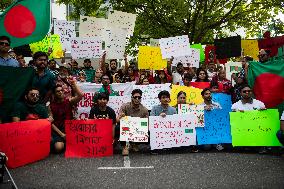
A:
166, 170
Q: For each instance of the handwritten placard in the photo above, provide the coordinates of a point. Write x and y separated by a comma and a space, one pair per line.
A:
86, 48
196, 110
89, 90
232, 67
191, 60
175, 46
115, 102
150, 93
25, 142
91, 138
171, 131
122, 20
150, 58
134, 129
66, 30
250, 48
217, 128
154, 42
200, 49
255, 128
92, 27
192, 94
115, 43
224, 100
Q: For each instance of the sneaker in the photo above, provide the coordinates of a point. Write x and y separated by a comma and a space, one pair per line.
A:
194, 149
219, 147
125, 151
135, 147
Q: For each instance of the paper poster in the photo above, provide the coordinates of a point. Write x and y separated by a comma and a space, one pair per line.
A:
66, 30
86, 48
191, 60
192, 94
25, 142
92, 27
88, 138
250, 48
115, 43
228, 47
175, 46
122, 20
224, 100
232, 67
89, 90
52, 41
115, 102
201, 51
150, 93
196, 110
217, 128
150, 58
154, 42
134, 129
171, 131
255, 128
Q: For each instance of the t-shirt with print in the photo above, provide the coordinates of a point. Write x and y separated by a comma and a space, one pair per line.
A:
99, 114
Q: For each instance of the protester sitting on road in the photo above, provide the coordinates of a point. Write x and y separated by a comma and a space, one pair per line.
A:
163, 109
61, 110
133, 109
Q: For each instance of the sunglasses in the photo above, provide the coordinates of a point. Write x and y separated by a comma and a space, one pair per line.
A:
4, 43
137, 97
35, 95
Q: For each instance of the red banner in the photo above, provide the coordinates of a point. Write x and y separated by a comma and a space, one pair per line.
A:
200, 85
25, 142
271, 44
88, 138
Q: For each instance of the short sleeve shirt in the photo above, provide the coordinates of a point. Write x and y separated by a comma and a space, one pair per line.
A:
9, 62
255, 105
26, 112
158, 109
129, 110
109, 113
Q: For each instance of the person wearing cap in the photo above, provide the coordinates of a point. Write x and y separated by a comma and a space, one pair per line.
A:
5, 58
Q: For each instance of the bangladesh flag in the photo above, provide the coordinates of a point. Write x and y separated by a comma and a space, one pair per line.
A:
25, 21
267, 81
13, 84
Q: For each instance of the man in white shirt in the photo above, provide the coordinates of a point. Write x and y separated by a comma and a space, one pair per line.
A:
247, 102
178, 75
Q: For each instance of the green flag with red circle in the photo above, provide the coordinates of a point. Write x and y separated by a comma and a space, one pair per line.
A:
25, 21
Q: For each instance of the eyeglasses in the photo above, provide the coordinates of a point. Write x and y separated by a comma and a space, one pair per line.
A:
4, 43
246, 91
35, 95
137, 97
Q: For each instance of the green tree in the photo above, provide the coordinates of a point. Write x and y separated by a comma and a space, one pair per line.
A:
4, 4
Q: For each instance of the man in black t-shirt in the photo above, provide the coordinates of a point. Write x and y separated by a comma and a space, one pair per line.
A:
102, 111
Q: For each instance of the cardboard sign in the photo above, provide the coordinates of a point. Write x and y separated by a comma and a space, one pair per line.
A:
224, 100
134, 129
191, 60
217, 128
25, 142
91, 27
115, 43
196, 110
66, 30
250, 48
91, 138
150, 93
89, 89
150, 58
255, 128
228, 47
232, 67
115, 102
86, 48
175, 46
201, 51
192, 94
171, 131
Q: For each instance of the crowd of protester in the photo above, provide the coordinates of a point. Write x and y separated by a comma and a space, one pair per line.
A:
54, 92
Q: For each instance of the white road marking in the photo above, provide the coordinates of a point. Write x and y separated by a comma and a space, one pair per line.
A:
126, 161
120, 168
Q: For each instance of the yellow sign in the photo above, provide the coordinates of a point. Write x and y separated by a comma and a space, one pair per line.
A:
250, 48
192, 94
53, 42
151, 58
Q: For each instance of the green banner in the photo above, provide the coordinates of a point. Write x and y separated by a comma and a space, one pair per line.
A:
255, 128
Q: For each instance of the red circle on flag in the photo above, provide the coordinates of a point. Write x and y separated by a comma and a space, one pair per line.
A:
20, 22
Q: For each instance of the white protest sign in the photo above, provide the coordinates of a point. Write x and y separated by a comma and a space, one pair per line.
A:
191, 60
86, 48
115, 102
89, 90
171, 131
196, 110
115, 43
134, 129
122, 20
92, 27
175, 46
66, 30
232, 67
150, 93
154, 42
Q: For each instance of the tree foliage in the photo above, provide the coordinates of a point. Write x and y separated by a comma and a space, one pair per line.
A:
4, 4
